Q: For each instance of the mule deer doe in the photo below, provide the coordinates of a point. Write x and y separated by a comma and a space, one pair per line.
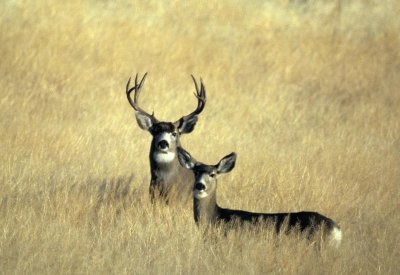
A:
206, 209
166, 173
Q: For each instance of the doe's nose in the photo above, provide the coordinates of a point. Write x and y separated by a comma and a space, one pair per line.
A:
200, 186
163, 144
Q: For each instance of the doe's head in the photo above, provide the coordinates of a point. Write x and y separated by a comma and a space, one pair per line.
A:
165, 134
205, 176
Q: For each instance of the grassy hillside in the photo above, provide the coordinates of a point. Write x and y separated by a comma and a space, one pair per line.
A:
306, 92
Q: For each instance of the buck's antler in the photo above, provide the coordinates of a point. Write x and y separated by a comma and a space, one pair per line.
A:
201, 99
135, 102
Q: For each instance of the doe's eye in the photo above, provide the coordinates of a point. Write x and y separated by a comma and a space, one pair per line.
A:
174, 134
212, 175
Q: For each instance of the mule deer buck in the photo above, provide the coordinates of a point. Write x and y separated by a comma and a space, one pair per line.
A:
206, 209
167, 175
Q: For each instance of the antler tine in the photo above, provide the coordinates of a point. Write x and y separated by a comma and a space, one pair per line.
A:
201, 98
135, 102
138, 88
128, 91
136, 76
195, 84
203, 90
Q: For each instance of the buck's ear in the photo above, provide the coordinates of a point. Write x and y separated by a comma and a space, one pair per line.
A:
144, 121
185, 159
226, 164
186, 125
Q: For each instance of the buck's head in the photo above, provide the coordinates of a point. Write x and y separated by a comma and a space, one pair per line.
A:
165, 134
205, 182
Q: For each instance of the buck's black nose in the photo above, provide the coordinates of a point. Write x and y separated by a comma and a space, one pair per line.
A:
200, 186
163, 144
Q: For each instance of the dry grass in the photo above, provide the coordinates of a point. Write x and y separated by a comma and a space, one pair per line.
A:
306, 92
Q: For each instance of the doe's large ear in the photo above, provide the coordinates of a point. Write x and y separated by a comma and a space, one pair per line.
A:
186, 125
226, 164
185, 158
144, 121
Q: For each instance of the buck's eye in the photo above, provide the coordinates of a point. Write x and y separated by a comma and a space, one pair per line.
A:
212, 175
174, 134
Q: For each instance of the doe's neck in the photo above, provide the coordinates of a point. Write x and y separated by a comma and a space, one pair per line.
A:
206, 209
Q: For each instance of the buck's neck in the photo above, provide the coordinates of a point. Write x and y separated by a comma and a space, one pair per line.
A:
165, 166
205, 209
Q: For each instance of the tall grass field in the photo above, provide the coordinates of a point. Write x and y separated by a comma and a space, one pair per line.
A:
307, 93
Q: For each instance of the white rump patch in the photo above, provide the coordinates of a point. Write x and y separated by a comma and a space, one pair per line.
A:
199, 194
336, 236
163, 157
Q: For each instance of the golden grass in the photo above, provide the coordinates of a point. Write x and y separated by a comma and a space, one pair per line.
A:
306, 92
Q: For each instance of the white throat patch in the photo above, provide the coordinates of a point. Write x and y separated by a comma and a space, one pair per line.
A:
199, 194
163, 157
